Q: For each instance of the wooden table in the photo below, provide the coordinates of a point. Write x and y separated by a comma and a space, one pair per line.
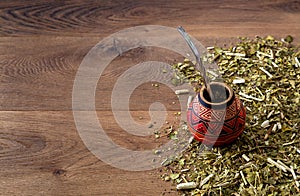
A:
42, 44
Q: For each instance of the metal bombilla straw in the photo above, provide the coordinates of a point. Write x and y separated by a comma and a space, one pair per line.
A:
202, 69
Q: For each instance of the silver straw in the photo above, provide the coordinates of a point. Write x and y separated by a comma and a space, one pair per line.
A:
198, 59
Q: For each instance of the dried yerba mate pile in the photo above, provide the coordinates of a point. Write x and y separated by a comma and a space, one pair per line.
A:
265, 160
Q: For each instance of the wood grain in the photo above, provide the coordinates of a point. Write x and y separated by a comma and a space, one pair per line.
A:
103, 17
42, 153
42, 44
